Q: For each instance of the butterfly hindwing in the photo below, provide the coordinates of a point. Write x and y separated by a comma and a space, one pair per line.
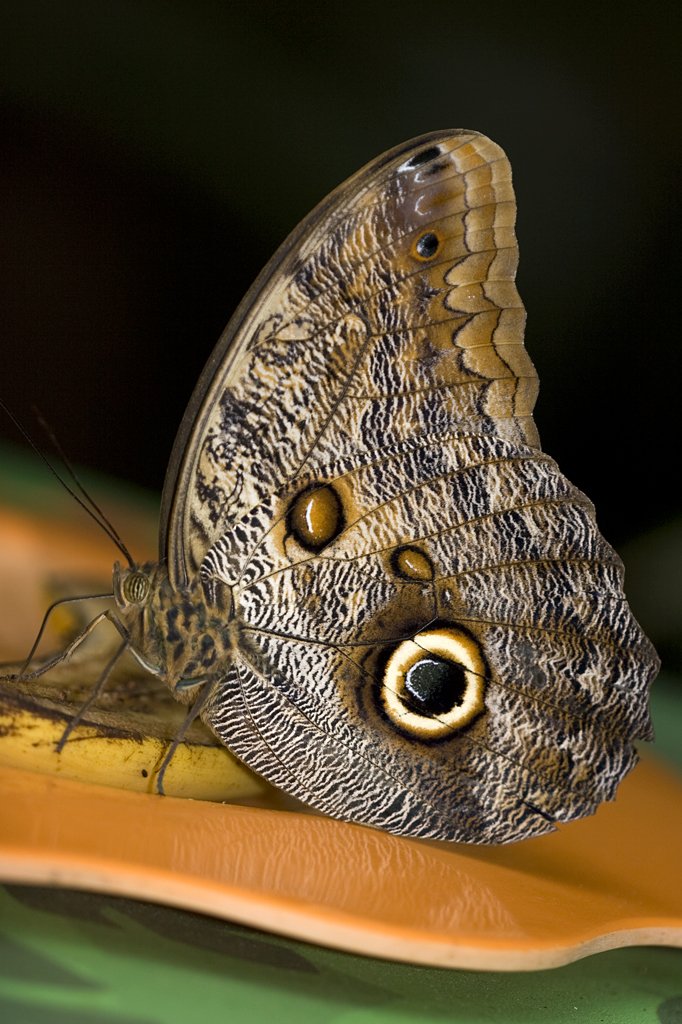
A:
434, 543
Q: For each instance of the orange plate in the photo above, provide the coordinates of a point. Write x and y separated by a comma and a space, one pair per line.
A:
609, 881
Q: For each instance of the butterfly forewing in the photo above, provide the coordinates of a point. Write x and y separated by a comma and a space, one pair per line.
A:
363, 332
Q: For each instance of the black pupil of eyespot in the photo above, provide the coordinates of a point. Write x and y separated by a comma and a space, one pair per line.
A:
427, 245
434, 685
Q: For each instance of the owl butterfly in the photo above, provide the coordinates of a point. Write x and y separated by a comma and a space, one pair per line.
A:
375, 587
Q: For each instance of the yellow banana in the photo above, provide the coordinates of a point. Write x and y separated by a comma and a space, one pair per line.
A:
122, 740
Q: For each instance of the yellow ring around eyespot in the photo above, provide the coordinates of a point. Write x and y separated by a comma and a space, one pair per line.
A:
453, 645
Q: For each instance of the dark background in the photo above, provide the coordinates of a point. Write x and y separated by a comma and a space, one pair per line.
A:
154, 153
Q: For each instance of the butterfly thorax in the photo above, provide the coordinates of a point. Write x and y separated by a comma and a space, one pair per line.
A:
184, 635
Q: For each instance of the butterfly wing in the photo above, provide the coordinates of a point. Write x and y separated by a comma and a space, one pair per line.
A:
390, 311
433, 636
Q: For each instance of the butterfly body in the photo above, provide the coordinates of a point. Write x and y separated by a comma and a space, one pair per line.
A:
393, 604
179, 634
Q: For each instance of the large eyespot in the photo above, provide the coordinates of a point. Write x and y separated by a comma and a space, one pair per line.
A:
316, 517
434, 684
135, 587
426, 246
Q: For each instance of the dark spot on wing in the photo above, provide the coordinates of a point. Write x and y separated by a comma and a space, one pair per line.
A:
423, 158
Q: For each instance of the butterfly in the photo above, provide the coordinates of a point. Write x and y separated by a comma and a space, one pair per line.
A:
374, 586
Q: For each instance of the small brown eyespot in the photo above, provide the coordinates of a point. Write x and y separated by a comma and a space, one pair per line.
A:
434, 684
316, 517
411, 563
426, 246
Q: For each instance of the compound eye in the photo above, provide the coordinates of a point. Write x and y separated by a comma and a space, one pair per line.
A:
434, 684
135, 587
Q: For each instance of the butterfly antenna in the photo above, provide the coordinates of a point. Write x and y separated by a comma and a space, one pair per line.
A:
104, 519
88, 505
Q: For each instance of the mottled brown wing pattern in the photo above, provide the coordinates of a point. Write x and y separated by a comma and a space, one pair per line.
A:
355, 340
519, 564
428, 633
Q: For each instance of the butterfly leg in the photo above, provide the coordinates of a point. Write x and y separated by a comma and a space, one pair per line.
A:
71, 647
96, 691
193, 712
